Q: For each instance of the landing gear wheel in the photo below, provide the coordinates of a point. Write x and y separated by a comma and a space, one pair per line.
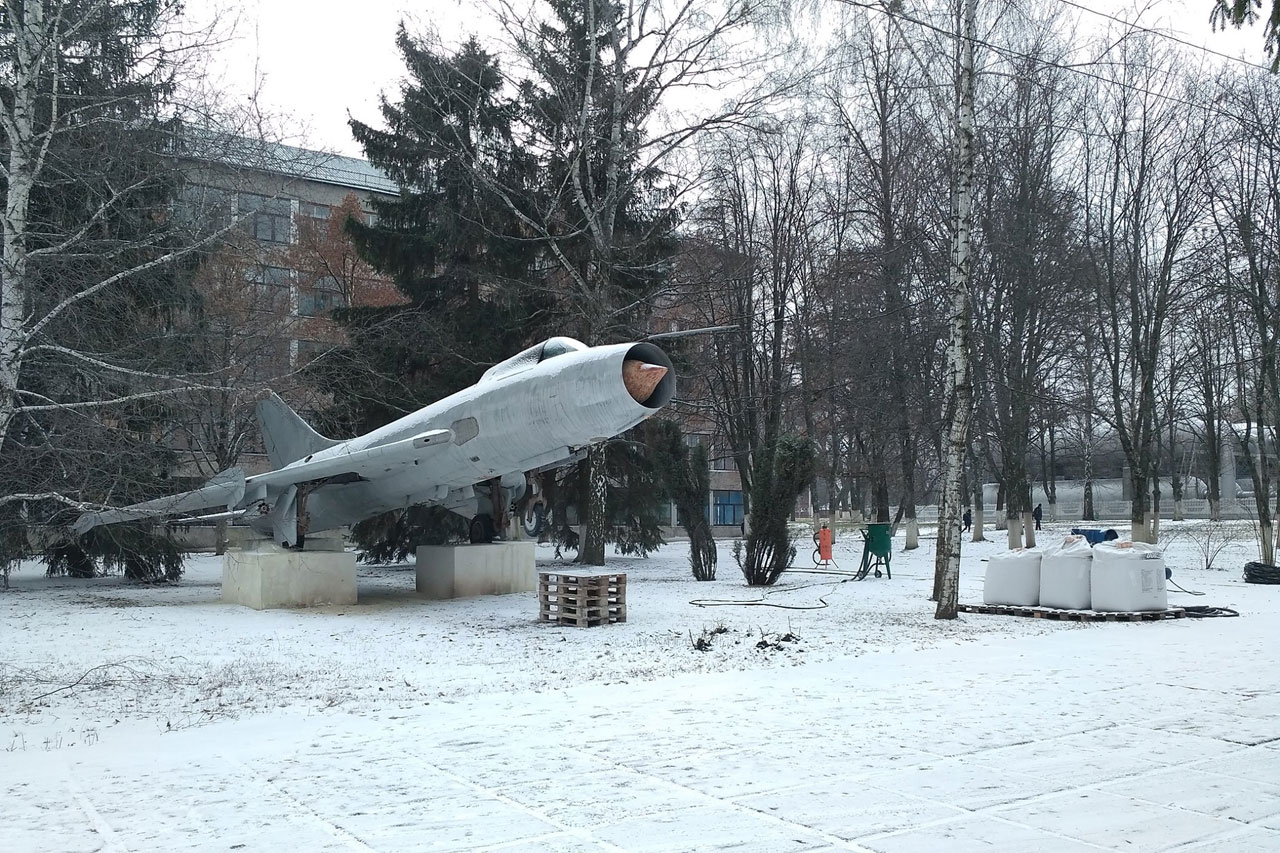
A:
532, 520
481, 530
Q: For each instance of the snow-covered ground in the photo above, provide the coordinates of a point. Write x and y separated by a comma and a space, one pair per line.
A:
158, 718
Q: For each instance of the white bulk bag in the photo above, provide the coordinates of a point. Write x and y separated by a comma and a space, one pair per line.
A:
1013, 577
1064, 574
1128, 576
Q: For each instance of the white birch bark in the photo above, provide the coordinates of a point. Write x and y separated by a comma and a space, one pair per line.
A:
22, 165
960, 375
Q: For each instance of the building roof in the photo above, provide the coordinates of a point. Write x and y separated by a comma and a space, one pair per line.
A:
327, 168
288, 160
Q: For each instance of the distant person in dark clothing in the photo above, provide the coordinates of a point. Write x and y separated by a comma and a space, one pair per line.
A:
968, 521
1037, 514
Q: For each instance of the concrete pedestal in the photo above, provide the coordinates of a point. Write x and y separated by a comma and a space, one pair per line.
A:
462, 571
262, 575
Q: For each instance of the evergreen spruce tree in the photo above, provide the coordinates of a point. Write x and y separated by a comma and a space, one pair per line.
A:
453, 249
604, 216
521, 214
686, 474
782, 471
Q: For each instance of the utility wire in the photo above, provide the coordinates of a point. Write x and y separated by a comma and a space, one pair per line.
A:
1075, 69
1164, 35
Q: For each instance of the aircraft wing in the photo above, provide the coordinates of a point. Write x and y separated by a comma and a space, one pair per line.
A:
370, 463
224, 490
228, 489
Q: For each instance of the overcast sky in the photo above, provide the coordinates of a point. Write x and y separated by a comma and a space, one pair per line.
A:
319, 60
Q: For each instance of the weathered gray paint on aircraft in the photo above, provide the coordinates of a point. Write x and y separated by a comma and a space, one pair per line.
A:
527, 413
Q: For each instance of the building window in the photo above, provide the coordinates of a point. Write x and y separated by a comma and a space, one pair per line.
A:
693, 439
313, 211
204, 207
722, 460
727, 507
270, 289
269, 221
321, 298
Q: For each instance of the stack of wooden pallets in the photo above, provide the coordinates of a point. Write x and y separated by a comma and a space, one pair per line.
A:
582, 600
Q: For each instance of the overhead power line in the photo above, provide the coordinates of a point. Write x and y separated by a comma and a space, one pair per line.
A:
1080, 69
1169, 36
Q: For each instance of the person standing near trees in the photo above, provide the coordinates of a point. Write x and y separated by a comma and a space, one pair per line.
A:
1037, 514
968, 520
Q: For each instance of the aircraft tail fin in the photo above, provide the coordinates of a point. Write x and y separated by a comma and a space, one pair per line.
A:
287, 436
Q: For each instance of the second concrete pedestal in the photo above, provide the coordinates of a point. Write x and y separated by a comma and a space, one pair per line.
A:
462, 571
262, 575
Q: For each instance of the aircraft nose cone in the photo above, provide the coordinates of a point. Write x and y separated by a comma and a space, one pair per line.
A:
640, 378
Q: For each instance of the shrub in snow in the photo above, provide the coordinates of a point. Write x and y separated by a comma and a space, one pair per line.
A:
780, 473
129, 548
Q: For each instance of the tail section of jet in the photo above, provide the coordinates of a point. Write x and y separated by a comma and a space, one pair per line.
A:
287, 436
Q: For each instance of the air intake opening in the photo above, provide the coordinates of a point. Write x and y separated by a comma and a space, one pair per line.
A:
649, 376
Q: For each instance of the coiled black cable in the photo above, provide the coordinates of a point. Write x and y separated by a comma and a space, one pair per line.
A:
1205, 611
1256, 572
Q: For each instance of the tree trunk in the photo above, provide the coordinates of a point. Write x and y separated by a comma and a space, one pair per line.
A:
959, 368
1051, 478
1138, 516
220, 538
880, 495
22, 165
591, 551
1013, 526
1153, 513
979, 519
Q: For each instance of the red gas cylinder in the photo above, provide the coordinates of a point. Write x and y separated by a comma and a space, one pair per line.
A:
824, 544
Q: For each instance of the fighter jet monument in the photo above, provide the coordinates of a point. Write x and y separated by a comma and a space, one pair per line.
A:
537, 409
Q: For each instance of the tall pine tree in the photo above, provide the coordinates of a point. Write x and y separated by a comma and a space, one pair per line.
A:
604, 216
523, 212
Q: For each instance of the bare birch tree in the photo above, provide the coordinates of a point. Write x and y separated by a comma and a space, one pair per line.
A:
959, 408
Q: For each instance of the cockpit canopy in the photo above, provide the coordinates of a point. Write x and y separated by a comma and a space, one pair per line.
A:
535, 354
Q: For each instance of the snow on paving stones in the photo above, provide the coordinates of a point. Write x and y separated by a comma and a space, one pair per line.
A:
402, 724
